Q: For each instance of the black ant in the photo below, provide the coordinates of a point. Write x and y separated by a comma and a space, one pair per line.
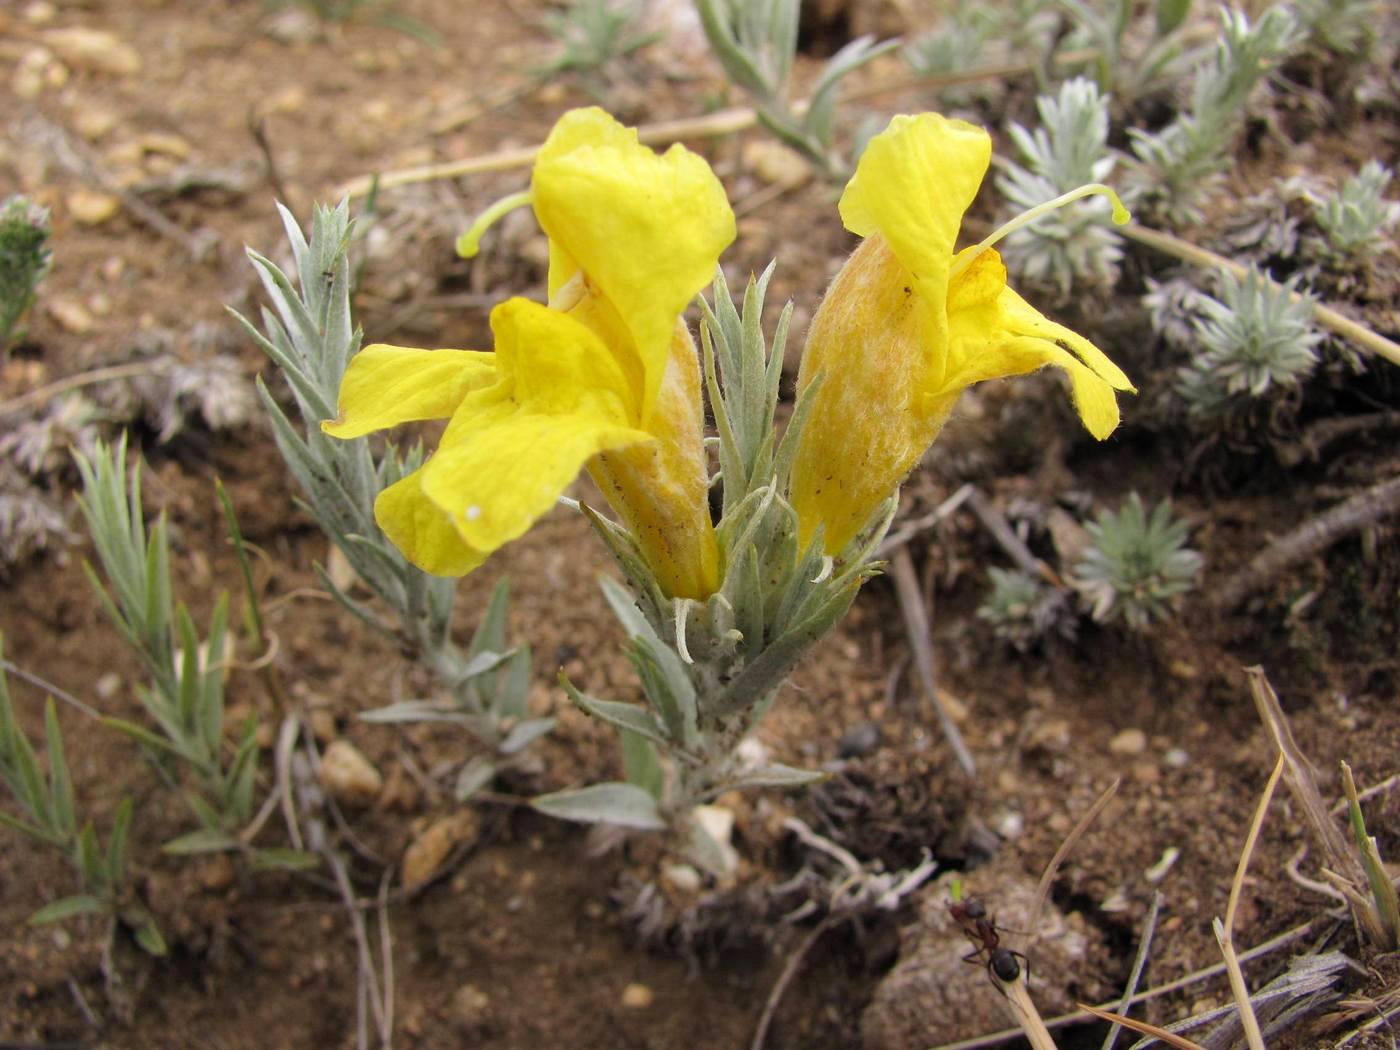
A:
1003, 964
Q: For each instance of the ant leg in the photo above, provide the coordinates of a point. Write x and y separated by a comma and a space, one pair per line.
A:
1025, 964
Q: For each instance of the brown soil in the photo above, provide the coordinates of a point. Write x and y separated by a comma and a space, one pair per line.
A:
530, 937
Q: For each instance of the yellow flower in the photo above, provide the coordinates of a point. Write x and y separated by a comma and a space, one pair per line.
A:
908, 325
606, 375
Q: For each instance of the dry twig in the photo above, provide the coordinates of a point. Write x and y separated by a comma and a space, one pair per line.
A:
1018, 1002
1139, 963
1170, 1038
1009, 541
1356, 334
911, 604
911, 527
1312, 537
770, 1006
1042, 891
723, 122
80, 160
1224, 932
40, 394
1342, 862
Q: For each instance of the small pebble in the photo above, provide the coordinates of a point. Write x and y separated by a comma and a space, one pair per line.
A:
1129, 742
775, 163
216, 872
165, 142
859, 740
70, 316
39, 13
348, 776
681, 877
288, 100
34, 72
471, 1007
1177, 758
430, 850
293, 25
1183, 669
92, 207
93, 122
637, 996
94, 50
1146, 773
1008, 824
322, 724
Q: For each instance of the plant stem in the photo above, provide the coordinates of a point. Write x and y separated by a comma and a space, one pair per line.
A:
1357, 334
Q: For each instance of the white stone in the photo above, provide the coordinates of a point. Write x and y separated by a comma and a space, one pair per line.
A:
348, 776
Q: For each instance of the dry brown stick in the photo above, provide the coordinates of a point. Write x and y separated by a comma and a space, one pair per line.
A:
98, 375
911, 527
1322, 433
968, 76
760, 1035
1149, 927
723, 122
1090, 815
911, 604
1225, 932
79, 159
1301, 777
1170, 1038
257, 128
1357, 334
1022, 1009
38, 682
479, 107
1312, 537
996, 524
767, 195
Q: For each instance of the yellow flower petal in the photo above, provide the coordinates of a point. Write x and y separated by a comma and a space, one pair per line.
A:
420, 529
1022, 318
994, 333
591, 127
511, 450
912, 185
509, 469
645, 230
388, 385
551, 363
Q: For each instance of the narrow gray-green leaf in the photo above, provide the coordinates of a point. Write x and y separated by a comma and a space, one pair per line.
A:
205, 840
612, 803
525, 733
632, 718
67, 908
777, 775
